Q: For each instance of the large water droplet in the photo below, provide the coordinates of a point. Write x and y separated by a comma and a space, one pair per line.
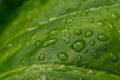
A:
113, 57
89, 33
50, 42
41, 56
66, 39
79, 58
78, 45
63, 56
77, 31
102, 37
115, 16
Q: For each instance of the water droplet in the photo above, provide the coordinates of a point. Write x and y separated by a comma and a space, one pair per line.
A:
63, 56
63, 68
91, 20
79, 58
92, 42
69, 21
53, 32
66, 39
101, 24
41, 56
84, 14
115, 16
50, 42
78, 45
102, 37
26, 78
22, 62
85, 51
113, 57
97, 52
64, 31
77, 31
89, 33
37, 43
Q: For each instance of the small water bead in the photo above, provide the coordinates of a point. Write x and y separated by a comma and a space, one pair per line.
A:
77, 31
91, 20
97, 52
37, 43
85, 51
102, 37
53, 32
101, 24
92, 42
115, 16
69, 21
113, 57
41, 56
89, 33
63, 56
64, 31
22, 62
79, 58
84, 13
78, 45
50, 42
66, 39
26, 78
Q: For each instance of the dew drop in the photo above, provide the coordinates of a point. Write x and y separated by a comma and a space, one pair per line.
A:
77, 31
53, 32
63, 68
79, 58
101, 24
78, 45
26, 78
63, 56
115, 16
91, 20
49, 42
64, 31
66, 39
37, 43
41, 57
22, 62
89, 33
113, 57
102, 37
69, 21
84, 14
92, 42
97, 52
85, 51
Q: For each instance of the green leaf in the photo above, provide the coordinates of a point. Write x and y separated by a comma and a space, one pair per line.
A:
81, 43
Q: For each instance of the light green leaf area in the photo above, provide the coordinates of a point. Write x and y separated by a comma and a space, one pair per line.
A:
62, 40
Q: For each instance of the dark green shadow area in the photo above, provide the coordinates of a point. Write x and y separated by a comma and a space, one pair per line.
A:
8, 12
